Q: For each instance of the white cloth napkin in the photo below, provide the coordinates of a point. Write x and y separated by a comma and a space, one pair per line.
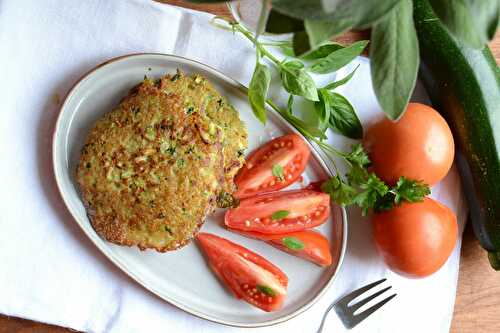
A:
50, 272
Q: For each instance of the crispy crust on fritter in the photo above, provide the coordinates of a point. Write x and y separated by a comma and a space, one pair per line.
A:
151, 169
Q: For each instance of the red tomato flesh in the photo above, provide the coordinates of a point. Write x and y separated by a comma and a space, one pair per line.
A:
307, 244
280, 212
289, 152
248, 275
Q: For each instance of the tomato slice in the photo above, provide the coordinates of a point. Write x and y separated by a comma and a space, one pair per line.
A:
280, 212
307, 244
273, 166
249, 276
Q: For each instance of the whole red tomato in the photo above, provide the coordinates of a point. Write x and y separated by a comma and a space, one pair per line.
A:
416, 239
419, 146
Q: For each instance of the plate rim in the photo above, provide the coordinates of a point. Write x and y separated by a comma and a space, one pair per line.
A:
123, 267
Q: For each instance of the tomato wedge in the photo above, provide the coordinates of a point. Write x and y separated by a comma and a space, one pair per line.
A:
307, 244
273, 166
249, 276
280, 212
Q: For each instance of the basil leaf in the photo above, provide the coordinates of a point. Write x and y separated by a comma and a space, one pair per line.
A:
293, 243
322, 51
320, 31
339, 58
341, 82
278, 23
297, 81
264, 14
362, 12
278, 172
343, 118
472, 21
322, 108
280, 214
321, 25
266, 290
395, 59
257, 91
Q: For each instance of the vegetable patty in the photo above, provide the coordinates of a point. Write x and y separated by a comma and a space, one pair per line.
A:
153, 168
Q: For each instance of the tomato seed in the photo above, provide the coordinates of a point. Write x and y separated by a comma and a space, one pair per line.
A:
269, 299
282, 144
276, 145
289, 177
321, 208
272, 183
247, 223
316, 213
256, 220
289, 144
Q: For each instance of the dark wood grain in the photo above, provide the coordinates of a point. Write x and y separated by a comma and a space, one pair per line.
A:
477, 307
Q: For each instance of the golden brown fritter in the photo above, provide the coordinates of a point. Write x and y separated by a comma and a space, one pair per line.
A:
152, 169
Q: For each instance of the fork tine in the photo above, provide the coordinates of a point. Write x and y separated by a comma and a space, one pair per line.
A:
362, 316
356, 306
349, 297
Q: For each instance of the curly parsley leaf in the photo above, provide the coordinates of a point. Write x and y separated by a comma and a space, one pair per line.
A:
410, 190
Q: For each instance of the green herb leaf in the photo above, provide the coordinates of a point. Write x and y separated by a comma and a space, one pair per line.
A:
293, 243
266, 290
278, 172
297, 81
322, 108
319, 31
279, 23
343, 118
280, 214
341, 82
472, 21
257, 91
395, 59
358, 155
410, 190
340, 192
373, 190
322, 51
339, 58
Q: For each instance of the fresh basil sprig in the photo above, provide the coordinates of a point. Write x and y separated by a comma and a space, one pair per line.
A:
359, 186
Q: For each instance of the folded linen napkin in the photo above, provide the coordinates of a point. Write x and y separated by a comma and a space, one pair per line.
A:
49, 270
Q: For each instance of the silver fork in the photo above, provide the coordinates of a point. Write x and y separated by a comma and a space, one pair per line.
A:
346, 312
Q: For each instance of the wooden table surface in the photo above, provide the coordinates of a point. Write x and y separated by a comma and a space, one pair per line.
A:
477, 308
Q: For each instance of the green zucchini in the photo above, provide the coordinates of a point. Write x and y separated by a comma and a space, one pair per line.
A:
464, 85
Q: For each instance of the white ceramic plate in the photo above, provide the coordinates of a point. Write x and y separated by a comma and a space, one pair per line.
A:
182, 277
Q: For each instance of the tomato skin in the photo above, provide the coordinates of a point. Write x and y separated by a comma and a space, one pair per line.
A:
419, 146
307, 209
243, 271
289, 151
416, 239
316, 247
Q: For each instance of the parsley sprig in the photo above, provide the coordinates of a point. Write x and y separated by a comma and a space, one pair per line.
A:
366, 190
